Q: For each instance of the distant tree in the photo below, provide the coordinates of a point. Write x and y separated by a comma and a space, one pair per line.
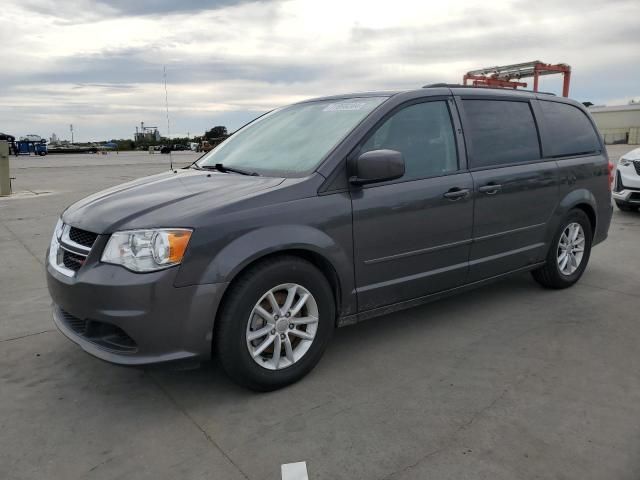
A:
216, 132
587, 104
123, 144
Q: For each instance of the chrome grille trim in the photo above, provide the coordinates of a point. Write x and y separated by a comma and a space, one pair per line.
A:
72, 246
54, 250
65, 246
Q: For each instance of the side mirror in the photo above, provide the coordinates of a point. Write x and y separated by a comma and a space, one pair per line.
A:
377, 166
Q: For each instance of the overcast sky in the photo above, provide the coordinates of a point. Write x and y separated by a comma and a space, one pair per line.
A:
98, 63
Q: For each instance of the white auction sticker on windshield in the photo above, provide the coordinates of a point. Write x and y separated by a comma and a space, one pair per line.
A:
344, 106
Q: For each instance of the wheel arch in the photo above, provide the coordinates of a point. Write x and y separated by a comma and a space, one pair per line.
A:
328, 254
313, 257
330, 251
581, 199
590, 212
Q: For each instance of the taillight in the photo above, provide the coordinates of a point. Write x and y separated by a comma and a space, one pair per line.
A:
610, 167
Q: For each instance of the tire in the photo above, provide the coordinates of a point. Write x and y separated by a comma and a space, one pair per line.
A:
551, 275
237, 317
625, 207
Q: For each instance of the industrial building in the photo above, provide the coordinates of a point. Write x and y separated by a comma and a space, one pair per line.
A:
619, 123
147, 134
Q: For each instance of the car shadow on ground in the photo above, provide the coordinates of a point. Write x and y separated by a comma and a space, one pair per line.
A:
623, 216
354, 344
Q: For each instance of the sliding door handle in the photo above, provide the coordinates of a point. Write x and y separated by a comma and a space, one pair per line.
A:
456, 193
490, 189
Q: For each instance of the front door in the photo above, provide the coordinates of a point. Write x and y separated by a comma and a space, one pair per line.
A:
412, 235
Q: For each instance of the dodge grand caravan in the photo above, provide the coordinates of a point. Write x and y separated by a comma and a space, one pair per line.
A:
325, 213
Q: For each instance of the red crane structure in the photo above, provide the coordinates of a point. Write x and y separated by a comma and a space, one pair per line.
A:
508, 76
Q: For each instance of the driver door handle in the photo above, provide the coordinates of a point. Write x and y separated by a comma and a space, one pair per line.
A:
456, 193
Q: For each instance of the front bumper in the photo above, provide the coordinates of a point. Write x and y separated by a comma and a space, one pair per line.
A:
627, 183
134, 319
627, 196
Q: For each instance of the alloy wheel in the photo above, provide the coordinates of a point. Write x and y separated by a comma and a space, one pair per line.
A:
570, 248
282, 326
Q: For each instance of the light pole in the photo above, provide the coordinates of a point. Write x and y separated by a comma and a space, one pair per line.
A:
71, 128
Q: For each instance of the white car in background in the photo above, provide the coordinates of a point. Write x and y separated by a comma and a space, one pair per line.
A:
626, 189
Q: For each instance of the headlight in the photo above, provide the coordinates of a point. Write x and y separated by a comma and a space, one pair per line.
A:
624, 162
147, 250
57, 231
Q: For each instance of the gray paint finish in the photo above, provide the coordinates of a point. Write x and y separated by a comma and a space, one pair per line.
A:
410, 240
512, 221
383, 246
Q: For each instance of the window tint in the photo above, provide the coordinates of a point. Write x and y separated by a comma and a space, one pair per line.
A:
568, 129
423, 134
501, 132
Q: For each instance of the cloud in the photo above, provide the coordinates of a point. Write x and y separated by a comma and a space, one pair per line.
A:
137, 66
99, 63
76, 11
159, 7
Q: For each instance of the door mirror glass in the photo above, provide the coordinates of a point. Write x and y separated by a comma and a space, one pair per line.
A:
377, 166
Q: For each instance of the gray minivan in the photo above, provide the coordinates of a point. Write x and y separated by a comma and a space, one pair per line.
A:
325, 213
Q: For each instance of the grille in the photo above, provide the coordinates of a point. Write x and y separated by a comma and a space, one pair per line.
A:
72, 261
637, 167
77, 325
102, 334
74, 247
82, 237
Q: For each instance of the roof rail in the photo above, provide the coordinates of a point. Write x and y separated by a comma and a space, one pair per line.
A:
436, 85
457, 85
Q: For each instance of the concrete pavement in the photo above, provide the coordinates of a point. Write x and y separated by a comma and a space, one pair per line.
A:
509, 381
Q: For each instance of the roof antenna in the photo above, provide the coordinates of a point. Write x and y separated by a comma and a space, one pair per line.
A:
166, 103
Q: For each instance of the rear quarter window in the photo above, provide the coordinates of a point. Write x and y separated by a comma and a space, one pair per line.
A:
501, 132
568, 130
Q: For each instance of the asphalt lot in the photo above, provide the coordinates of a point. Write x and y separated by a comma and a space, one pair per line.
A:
510, 381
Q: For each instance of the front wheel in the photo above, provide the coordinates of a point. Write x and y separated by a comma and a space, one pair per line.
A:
568, 254
275, 323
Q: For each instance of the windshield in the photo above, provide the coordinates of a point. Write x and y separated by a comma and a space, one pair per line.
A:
291, 141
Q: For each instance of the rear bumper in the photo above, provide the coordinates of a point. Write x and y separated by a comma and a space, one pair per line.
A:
134, 319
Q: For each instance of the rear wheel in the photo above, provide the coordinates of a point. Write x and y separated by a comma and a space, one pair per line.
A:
275, 323
568, 254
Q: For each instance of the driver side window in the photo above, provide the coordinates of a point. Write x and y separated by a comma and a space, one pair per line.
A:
423, 133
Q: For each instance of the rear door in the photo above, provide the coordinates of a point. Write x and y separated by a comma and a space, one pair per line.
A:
412, 235
516, 190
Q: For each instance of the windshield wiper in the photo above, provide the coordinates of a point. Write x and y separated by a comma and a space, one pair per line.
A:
221, 168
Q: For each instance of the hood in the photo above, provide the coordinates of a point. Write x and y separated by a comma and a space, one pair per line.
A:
165, 200
632, 155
